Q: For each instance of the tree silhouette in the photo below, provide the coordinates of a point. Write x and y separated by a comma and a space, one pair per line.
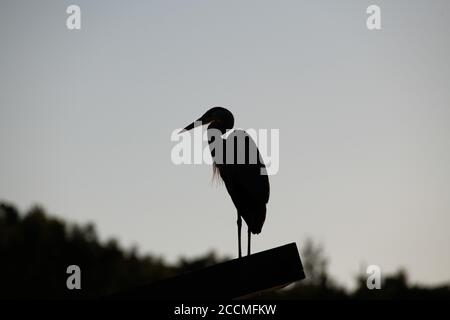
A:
36, 249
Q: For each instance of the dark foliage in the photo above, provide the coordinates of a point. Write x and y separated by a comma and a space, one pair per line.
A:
35, 251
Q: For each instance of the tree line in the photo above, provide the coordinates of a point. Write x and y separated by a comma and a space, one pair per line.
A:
36, 249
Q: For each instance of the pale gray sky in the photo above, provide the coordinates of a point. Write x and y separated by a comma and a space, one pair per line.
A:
86, 118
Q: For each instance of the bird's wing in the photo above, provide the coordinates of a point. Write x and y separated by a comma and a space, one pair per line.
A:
247, 179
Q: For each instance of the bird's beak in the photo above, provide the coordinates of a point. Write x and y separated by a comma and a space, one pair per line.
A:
191, 126
199, 122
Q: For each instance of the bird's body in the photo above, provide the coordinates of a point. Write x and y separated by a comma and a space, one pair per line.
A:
248, 188
241, 168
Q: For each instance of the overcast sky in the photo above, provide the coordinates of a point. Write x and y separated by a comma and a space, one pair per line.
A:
86, 118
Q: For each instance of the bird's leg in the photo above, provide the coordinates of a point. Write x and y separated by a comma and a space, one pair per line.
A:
249, 240
239, 224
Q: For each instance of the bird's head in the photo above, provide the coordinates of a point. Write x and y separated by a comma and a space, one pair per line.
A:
217, 118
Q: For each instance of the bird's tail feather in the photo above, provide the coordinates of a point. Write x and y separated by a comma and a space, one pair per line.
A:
255, 220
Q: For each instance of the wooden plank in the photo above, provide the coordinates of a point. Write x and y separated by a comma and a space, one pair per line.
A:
276, 267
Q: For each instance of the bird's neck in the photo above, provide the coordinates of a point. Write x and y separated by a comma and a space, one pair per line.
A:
216, 144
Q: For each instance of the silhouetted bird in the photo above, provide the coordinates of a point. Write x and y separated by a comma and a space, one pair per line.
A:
240, 166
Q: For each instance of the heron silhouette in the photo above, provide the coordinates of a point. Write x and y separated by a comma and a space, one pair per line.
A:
241, 167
